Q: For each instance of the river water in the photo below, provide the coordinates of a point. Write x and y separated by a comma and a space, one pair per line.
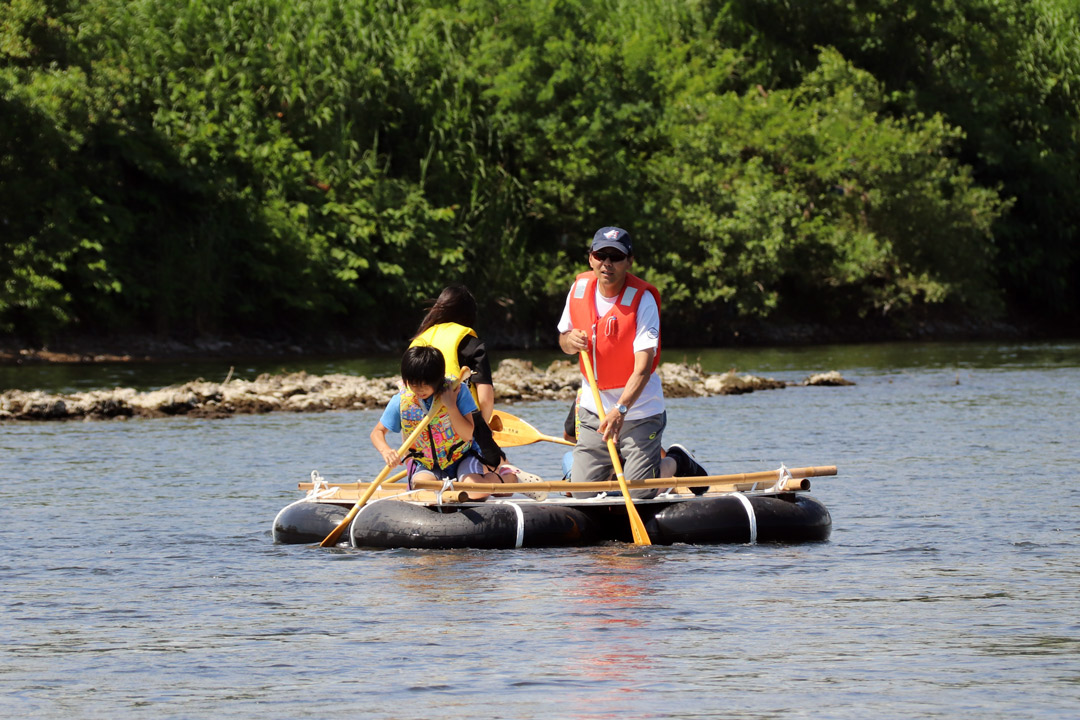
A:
139, 578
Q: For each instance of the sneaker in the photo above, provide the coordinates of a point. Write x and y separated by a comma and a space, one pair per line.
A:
687, 466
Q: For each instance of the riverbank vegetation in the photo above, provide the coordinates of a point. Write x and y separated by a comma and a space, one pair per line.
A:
295, 169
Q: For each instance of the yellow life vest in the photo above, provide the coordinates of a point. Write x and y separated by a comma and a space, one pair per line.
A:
438, 443
446, 337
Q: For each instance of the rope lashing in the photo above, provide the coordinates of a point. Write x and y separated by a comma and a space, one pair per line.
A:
320, 489
750, 514
447, 486
784, 475
519, 537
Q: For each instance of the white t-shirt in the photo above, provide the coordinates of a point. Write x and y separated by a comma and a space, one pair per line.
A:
651, 400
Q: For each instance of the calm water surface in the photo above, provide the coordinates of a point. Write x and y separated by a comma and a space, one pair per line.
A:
139, 578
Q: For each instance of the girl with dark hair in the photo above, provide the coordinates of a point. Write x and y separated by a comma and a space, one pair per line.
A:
455, 304
449, 327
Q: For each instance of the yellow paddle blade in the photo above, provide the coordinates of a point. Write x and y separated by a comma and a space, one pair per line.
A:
511, 431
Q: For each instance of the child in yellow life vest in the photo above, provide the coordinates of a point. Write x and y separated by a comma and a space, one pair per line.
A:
449, 326
446, 448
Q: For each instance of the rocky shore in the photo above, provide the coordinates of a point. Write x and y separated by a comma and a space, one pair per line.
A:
515, 381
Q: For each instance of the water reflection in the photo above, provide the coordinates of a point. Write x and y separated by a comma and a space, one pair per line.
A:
609, 602
612, 583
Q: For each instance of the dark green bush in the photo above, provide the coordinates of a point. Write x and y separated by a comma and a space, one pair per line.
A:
297, 168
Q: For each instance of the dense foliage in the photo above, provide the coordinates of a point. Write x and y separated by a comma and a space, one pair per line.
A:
258, 167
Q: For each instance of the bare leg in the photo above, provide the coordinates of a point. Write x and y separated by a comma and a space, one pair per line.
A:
487, 477
471, 469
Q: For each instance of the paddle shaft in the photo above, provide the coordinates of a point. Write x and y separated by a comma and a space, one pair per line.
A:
641, 537
436, 403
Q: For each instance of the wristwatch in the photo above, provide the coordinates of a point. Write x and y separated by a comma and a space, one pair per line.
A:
622, 409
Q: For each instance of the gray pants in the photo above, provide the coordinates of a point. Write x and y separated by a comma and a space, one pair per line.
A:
638, 446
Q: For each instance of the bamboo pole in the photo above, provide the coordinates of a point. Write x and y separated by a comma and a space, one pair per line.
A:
739, 482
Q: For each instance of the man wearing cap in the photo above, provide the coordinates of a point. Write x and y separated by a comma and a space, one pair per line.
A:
615, 316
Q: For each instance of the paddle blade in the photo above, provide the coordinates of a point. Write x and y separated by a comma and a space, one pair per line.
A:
641, 536
511, 431
331, 539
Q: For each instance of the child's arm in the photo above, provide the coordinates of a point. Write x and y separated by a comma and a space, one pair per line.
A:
378, 439
463, 424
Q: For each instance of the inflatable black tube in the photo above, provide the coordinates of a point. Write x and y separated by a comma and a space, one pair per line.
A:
788, 518
557, 526
791, 518
303, 523
392, 524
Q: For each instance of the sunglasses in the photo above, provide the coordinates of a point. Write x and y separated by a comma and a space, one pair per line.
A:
602, 256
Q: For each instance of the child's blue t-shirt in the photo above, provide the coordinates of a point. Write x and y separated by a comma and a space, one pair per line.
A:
391, 417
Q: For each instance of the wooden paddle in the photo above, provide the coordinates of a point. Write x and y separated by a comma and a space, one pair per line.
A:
510, 431
436, 403
641, 537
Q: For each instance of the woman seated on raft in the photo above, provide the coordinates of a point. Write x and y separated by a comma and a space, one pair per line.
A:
449, 326
447, 450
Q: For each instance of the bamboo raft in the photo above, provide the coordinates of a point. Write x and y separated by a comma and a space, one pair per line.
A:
764, 506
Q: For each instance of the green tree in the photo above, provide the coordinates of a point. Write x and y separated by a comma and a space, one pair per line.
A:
302, 167
1005, 73
50, 217
811, 203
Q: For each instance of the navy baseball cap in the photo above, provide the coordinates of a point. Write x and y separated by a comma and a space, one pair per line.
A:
612, 237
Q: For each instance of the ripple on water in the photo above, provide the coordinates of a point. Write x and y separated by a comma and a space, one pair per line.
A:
140, 578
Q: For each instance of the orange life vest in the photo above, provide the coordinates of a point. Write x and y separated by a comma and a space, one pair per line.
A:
611, 336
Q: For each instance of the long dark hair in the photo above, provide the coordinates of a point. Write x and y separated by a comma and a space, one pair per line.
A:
454, 304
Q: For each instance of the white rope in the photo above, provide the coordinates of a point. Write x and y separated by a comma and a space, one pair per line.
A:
320, 489
520, 536
784, 474
447, 486
750, 513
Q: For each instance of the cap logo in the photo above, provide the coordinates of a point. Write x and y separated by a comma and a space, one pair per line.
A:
611, 234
